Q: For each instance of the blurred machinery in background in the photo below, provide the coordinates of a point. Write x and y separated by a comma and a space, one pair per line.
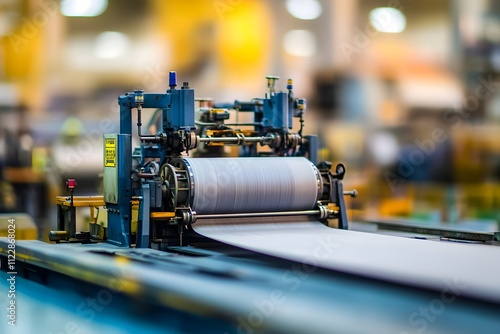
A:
22, 182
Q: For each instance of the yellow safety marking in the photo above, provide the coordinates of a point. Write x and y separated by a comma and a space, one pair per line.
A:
162, 215
81, 201
110, 142
110, 152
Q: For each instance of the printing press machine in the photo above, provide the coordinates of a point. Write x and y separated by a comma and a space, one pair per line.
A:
259, 243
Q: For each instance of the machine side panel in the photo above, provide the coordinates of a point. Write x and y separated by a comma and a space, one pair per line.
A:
180, 114
187, 108
276, 111
119, 213
111, 168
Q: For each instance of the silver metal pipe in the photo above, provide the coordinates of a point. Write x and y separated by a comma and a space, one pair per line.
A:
204, 123
255, 139
259, 214
221, 139
229, 124
150, 138
233, 139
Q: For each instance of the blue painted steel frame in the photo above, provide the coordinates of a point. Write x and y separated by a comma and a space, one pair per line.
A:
178, 114
120, 214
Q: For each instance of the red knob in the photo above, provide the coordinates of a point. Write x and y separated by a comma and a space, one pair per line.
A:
71, 183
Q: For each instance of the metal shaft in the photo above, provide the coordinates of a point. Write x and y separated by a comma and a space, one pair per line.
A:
233, 139
230, 139
229, 124
259, 214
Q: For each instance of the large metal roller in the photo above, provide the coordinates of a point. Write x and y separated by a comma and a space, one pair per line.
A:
238, 185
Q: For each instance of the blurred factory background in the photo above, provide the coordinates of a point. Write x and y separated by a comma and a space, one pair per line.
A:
405, 93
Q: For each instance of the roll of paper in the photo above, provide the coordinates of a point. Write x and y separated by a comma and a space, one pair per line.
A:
236, 185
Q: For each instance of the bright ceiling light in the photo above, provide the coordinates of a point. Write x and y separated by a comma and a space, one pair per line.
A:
388, 19
83, 8
304, 9
384, 148
301, 43
111, 44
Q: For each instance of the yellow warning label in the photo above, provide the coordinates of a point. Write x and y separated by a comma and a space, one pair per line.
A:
110, 152
110, 142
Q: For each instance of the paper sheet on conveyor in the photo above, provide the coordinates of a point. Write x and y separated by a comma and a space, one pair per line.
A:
463, 269
236, 185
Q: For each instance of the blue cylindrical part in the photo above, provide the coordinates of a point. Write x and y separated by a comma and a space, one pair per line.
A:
172, 79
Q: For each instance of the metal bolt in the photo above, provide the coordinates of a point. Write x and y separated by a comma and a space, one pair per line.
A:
353, 193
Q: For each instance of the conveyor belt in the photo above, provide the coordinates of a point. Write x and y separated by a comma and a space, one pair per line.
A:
464, 269
217, 292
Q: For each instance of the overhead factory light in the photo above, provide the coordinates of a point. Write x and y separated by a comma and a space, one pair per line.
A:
384, 148
304, 9
83, 8
110, 44
301, 43
388, 19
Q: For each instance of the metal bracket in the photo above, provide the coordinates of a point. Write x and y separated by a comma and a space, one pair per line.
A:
142, 239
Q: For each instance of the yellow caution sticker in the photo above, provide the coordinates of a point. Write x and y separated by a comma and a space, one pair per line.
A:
110, 152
